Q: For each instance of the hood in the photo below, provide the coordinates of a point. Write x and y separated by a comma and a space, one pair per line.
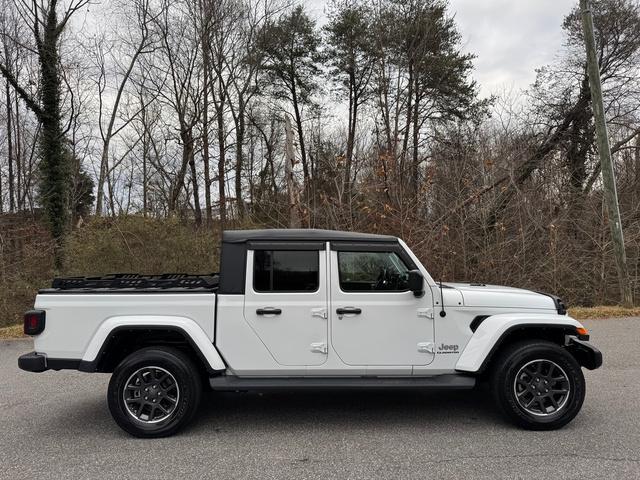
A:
480, 295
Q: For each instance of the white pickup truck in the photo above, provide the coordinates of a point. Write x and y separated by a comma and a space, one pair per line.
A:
299, 309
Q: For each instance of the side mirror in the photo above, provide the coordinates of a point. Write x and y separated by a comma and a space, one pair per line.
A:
416, 283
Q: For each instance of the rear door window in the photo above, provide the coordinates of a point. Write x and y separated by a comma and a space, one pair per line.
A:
286, 271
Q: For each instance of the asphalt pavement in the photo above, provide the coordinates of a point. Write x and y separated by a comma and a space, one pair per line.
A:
56, 425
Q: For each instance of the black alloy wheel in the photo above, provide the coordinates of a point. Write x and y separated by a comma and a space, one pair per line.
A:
154, 392
542, 387
537, 384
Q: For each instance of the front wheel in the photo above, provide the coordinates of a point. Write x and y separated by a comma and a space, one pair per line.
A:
538, 385
154, 392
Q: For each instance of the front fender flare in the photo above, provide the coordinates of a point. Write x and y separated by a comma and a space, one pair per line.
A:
193, 332
493, 329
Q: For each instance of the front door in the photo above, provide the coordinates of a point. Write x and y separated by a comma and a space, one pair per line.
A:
375, 319
285, 303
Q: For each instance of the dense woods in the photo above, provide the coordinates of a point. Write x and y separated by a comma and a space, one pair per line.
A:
212, 114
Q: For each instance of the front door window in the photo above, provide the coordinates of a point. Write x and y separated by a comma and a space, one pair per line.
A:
372, 271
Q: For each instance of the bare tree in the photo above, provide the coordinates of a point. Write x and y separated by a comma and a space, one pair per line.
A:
47, 27
180, 63
143, 43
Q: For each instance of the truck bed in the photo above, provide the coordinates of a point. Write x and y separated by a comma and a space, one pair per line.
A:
120, 283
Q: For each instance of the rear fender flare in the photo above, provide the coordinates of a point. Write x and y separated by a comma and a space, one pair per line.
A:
192, 331
494, 329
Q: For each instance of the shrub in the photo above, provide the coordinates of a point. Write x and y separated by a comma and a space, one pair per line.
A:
136, 244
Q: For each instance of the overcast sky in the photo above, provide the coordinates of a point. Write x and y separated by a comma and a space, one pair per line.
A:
511, 38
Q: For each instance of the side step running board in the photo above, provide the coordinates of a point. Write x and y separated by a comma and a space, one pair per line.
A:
227, 382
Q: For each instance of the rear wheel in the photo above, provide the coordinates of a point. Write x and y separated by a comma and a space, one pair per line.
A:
154, 392
538, 385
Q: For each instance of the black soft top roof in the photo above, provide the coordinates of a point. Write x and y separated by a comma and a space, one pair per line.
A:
313, 235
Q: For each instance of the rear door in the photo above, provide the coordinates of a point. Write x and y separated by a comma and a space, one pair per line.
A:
286, 300
375, 319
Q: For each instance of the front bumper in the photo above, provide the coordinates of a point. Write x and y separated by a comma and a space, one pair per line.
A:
586, 354
36, 362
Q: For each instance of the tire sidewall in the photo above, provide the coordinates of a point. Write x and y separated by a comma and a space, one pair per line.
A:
513, 362
182, 370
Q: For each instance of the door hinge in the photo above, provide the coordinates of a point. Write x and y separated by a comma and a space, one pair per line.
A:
319, 347
319, 312
426, 313
426, 347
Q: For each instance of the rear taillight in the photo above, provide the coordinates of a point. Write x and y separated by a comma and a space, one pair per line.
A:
34, 322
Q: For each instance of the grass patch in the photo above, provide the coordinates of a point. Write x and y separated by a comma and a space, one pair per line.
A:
13, 331
586, 313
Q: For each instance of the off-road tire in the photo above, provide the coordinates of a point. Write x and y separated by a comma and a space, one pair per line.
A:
185, 395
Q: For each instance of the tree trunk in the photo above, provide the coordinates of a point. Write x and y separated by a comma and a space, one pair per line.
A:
11, 183
408, 123
205, 25
110, 191
221, 168
298, 115
416, 140
196, 189
145, 156
186, 136
351, 134
104, 169
637, 163
205, 137
54, 190
145, 181
240, 131
19, 158
290, 161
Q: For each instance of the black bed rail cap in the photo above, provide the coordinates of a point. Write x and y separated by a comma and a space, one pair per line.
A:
137, 281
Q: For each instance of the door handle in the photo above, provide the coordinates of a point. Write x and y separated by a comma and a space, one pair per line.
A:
268, 311
348, 311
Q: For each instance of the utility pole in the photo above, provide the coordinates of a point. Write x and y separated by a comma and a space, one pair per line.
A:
604, 151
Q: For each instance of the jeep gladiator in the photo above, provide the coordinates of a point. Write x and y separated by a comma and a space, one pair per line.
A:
301, 309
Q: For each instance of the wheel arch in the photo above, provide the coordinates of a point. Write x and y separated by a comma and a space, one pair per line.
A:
119, 336
494, 334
